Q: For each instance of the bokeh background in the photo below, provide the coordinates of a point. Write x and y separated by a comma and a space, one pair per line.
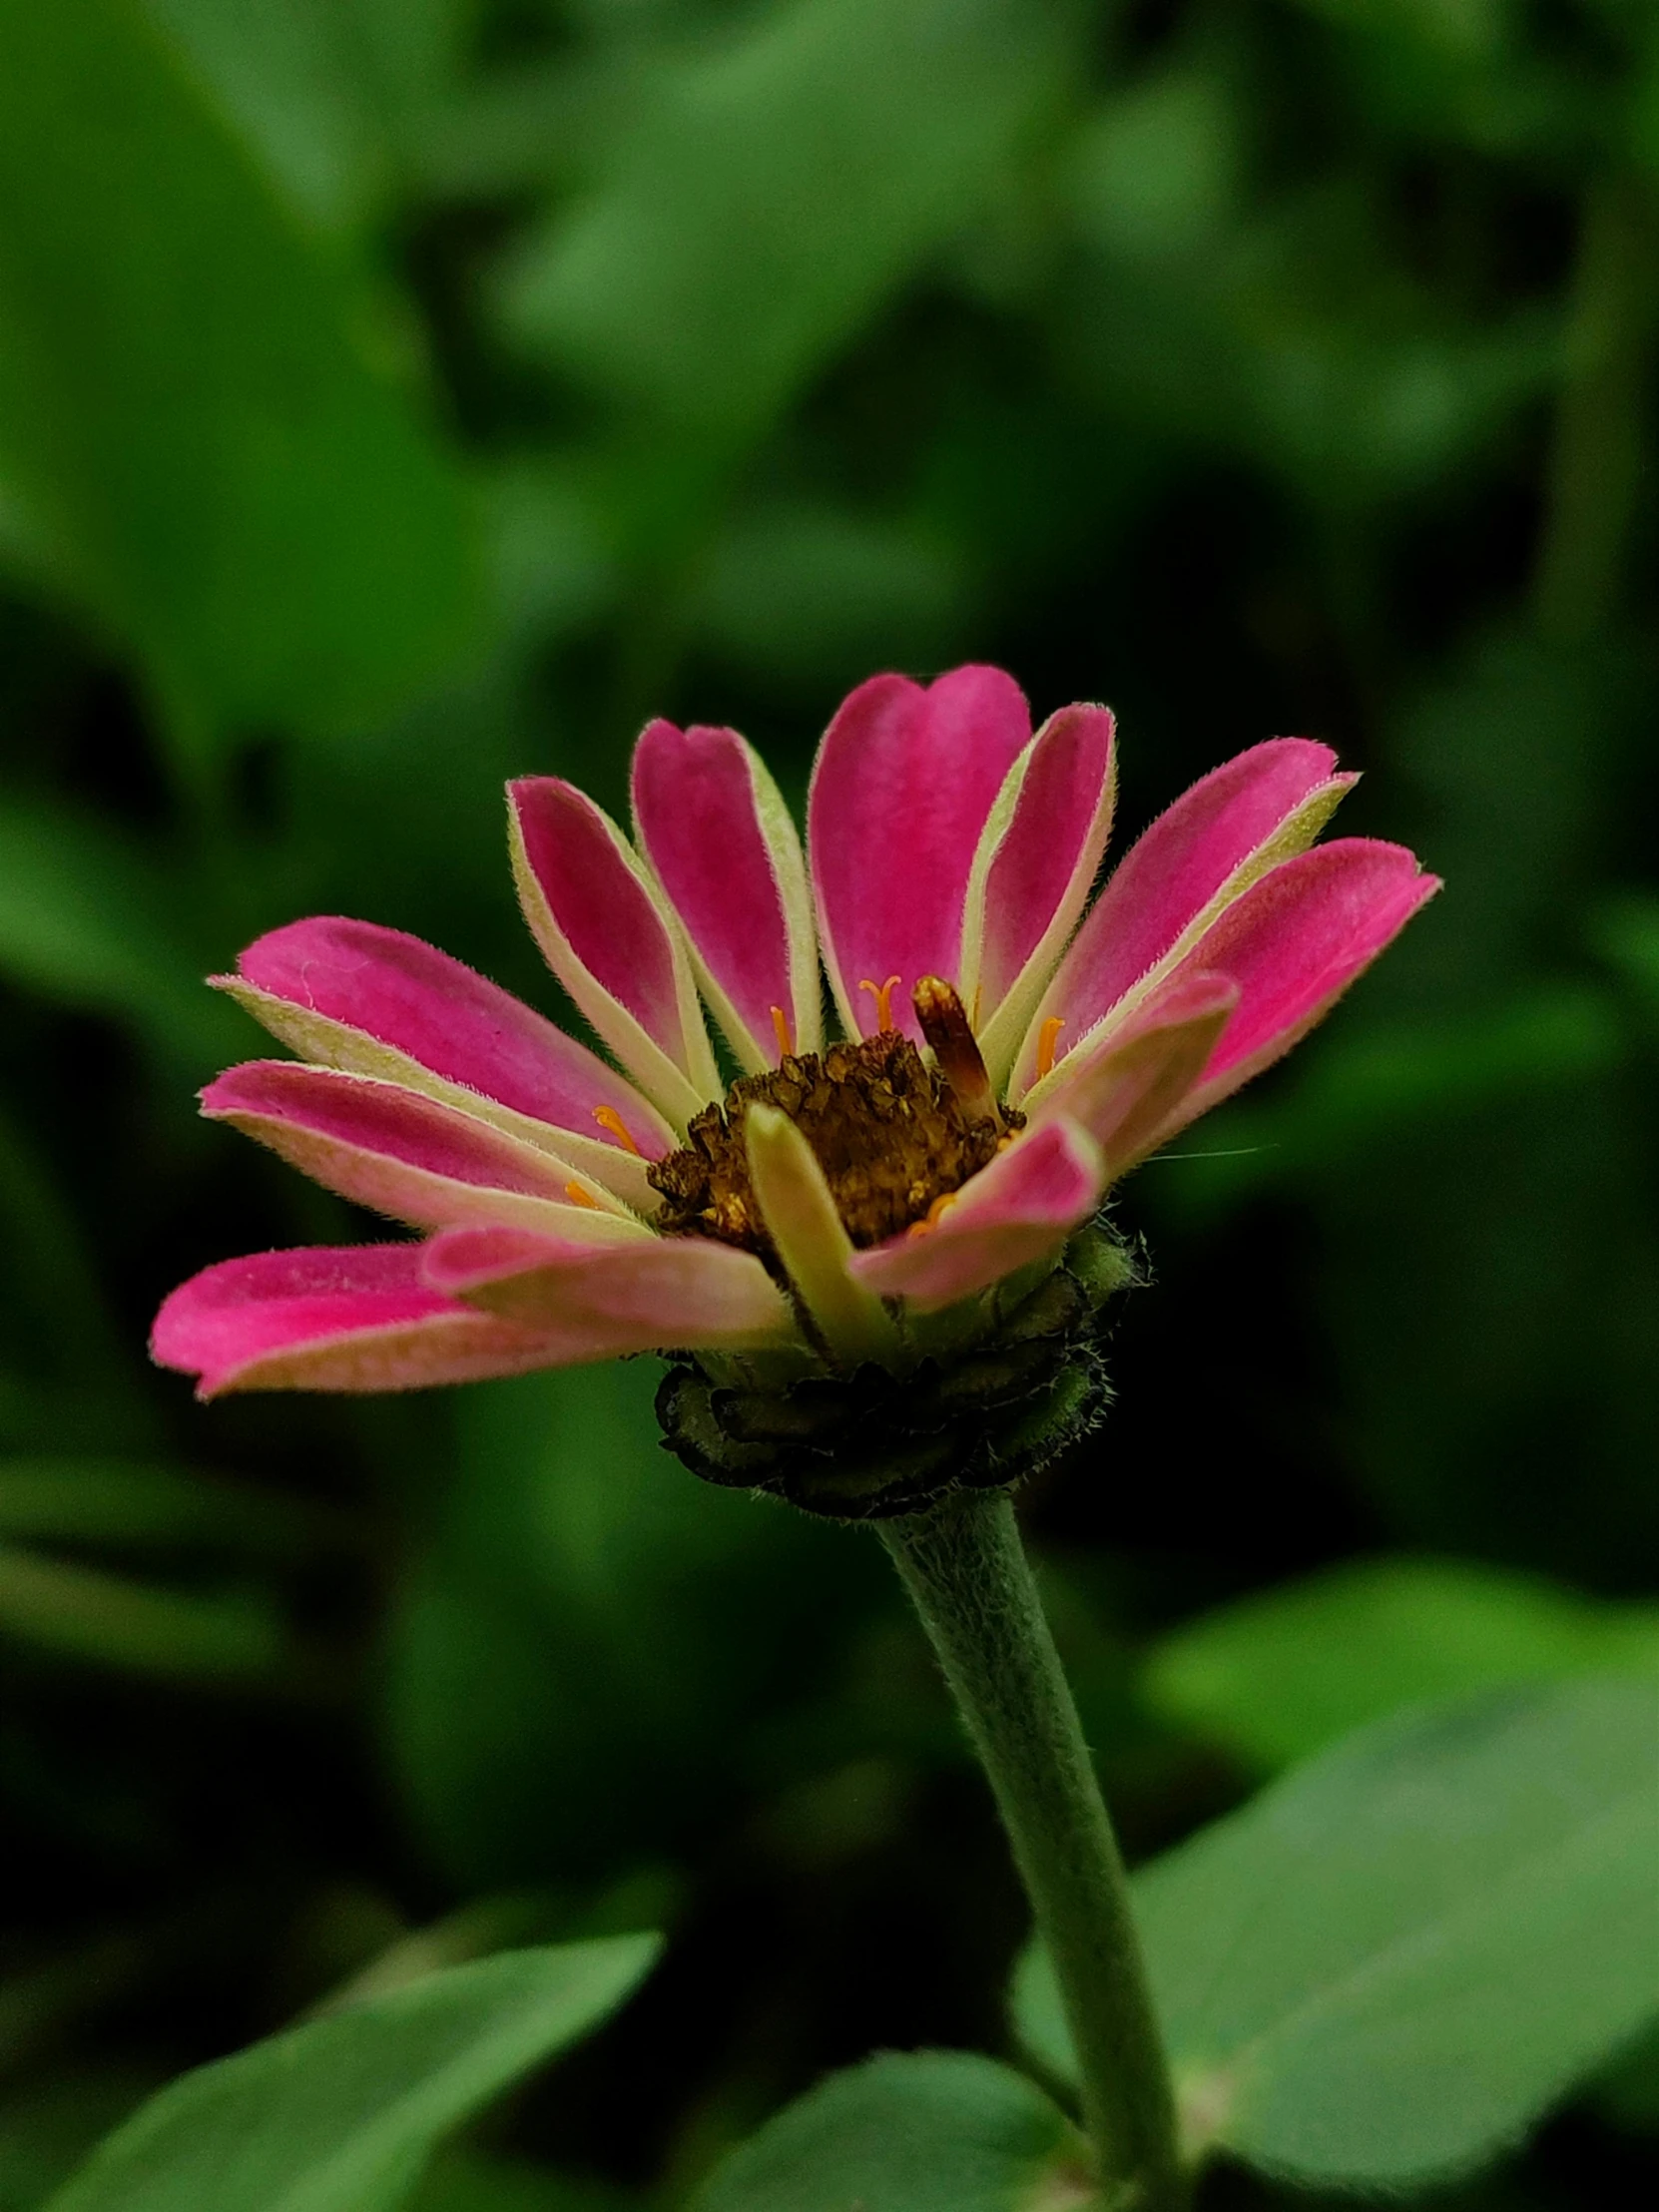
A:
399, 394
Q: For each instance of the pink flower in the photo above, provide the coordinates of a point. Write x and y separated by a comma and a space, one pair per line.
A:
1004, 1056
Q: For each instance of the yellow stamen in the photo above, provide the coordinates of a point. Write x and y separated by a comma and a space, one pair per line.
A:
780, 1026
882, 995
1047, 1037
580, 1197
978, 997
608, 1118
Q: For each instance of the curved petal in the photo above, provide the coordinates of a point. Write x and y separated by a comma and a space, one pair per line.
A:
607, 935
1196, 858
1291, 945
810, 1238
353, 1317
1124, 1089
715, 829
902, 786
409, 1155
1032, 874
1019, 1209
686, 1294
374, 1001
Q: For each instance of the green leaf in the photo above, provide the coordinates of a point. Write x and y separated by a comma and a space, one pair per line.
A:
199, 426
1277, 1676
922, 2131
464, 2182
776, 192
320, 87
1627, 934
132, 1505
88, 917
343, 2114
1395, 1960
582, 1665
230, 1637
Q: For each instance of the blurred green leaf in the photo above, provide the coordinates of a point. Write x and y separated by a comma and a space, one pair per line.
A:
90, 918
1364, 1084
324, 91
286, 74
128, 1504
233, 1638
341, 2115
581, 1658
1628, 2092
919, 2131
463, 2182
805, 590
1400, 1956
774, 194
48, 2126
1627, 934
195, 415
1277, 1676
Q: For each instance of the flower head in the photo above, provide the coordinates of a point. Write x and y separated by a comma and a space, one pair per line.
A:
867, 1244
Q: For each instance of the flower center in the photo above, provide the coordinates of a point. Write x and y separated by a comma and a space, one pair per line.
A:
893, 1134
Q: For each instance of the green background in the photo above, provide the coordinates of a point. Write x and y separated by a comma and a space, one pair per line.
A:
400, 394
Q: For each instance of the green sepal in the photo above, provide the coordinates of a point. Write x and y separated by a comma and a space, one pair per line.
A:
869, 1444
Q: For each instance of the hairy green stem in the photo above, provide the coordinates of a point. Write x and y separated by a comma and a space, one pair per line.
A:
965, 1569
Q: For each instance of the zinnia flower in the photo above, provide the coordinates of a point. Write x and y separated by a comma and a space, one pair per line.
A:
849, 1218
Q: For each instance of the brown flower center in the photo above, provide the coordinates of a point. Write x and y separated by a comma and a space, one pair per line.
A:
891, 1134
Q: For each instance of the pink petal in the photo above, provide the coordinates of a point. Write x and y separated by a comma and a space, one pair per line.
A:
724, 851
1019, 1209
1291, 945
609, 942
1059, 801
1170, 876
902, 786
1124, 1089
1028, 893
682, 1293
357, 1318
403, 1153
334, 989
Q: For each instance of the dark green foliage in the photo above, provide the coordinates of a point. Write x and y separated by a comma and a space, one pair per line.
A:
400, 394
926, 2132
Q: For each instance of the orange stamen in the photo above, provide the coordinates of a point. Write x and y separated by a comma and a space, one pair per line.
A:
882, 995
780, 1026
580, 1197
608, 1118
933, 1215
1047, 1037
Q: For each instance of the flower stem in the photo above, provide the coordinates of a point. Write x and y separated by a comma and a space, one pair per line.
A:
965, 1569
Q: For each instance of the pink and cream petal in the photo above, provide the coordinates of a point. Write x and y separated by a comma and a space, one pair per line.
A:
1124, 1089
374, 1001
1291, 945
1021, 1209
359, 1317
812, 1240
718, 836
903, 787
1032, 876
608, 935
409, 1155
1199, 855
686, 1294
